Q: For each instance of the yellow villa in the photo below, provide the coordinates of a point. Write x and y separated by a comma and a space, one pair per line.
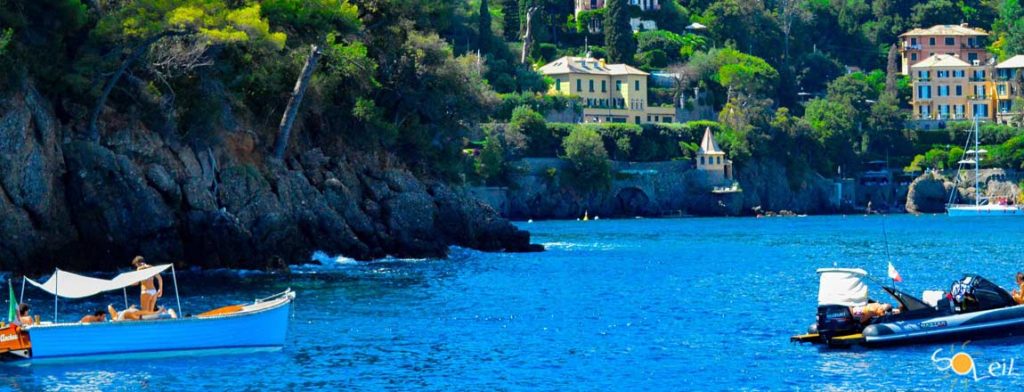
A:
948, 88
610, 92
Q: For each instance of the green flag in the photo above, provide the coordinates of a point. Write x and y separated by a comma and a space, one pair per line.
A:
12, 311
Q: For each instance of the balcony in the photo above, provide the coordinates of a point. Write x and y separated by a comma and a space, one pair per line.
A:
911, 47
977, 79
977, 97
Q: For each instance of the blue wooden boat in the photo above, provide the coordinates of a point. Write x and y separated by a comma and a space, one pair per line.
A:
262, 324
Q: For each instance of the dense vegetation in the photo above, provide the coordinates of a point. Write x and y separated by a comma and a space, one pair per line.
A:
417, 77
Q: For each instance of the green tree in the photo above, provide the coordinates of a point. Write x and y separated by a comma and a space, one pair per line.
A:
510, 19
589, 168
143, 23
885, 128
936, 12
5, 39
527, 133
491, 163
484, 35
310, 21
618, 35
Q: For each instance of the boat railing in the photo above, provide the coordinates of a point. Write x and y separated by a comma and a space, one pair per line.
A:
284, 293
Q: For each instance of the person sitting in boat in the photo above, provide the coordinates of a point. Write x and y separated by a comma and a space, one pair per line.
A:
865, 313
133, 313
1018, 293
98, 316
147, 299
23, 317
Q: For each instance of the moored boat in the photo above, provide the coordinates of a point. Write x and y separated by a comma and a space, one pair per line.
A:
262, 324
983, 205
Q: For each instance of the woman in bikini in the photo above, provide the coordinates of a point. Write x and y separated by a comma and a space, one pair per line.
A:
149, 292
1018, 294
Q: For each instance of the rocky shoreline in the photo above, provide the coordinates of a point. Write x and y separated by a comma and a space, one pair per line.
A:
84, 205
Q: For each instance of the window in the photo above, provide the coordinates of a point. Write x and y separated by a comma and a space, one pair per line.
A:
618, 85
950, 41
648, 118
637, 119
924, 92
913, 57
718, 160
579, 85
1001, 89
971, 57
558, 84
931, 41
701, 160
591, 82
980, 110
959, 91
666, 119
604, 86
636, 85
943, 91
913, 41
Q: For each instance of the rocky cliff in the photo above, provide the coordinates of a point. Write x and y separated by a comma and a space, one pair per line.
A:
930, 191
85, 205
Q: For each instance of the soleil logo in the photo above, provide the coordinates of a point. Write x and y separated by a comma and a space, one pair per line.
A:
963, 364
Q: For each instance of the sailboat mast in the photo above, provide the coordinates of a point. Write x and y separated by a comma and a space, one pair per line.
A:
977, 165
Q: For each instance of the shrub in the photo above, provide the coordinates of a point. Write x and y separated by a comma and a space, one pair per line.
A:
589, 169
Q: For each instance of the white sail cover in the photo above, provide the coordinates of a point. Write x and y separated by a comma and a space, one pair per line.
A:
69, 285
842, 286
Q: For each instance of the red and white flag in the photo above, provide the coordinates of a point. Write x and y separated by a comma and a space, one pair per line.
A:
894, 274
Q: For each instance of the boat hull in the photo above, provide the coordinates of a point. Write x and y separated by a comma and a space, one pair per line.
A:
265, 328
989, 324
984, 210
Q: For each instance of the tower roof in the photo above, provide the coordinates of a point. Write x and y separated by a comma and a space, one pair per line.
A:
708, 145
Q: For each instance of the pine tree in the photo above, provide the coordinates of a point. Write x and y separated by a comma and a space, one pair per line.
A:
890, 72
510, 9
618, 35
484, 36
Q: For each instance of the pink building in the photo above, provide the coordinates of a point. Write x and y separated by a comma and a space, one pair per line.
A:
960, 41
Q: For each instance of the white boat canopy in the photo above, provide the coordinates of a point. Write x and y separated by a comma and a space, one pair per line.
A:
842, 286
69, 285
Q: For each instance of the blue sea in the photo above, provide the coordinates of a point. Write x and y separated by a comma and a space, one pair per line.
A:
647, 304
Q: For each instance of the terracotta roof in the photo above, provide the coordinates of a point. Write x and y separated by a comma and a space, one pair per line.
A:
946, 30
708, 146
586, 65
1014, 62
941, 60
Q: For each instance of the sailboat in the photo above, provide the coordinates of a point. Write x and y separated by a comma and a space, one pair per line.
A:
982, 205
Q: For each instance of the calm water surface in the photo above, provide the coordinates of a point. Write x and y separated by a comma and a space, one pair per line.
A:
681, 304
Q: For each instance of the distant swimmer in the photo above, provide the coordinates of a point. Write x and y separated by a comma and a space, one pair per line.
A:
150, 293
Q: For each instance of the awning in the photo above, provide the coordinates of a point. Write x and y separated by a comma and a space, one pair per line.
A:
69, 285
842, 286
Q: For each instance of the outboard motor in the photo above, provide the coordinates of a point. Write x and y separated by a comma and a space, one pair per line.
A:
836, 320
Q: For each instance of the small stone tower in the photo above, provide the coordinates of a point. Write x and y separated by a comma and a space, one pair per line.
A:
711, 159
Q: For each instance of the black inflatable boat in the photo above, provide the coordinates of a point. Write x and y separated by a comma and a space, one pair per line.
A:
972, 309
